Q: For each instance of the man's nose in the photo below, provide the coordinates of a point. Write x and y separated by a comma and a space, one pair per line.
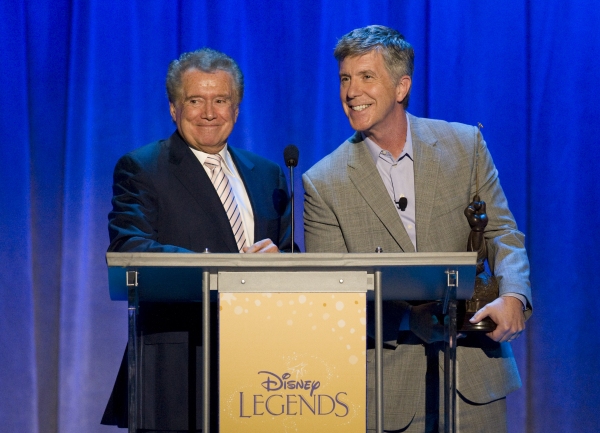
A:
209, 112
353, 89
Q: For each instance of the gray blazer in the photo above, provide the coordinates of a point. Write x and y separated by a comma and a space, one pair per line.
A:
348, 209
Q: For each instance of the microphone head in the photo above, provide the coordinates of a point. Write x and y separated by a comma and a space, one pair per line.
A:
402, 203
290, 155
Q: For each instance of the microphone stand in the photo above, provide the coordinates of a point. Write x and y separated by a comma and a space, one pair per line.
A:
292, 199
290, 156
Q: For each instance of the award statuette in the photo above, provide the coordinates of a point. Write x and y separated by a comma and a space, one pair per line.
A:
486, 285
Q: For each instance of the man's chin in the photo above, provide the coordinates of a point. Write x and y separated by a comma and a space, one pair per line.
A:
359, 126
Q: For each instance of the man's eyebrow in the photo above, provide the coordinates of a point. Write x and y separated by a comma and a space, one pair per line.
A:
367, 72
361, 73
220, 95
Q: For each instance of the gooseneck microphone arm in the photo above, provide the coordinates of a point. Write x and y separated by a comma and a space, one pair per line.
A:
290, 156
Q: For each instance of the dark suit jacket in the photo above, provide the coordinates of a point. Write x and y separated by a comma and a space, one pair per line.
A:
163, 201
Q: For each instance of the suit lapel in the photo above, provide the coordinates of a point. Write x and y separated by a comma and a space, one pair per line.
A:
426, 165
188, 170
365, 177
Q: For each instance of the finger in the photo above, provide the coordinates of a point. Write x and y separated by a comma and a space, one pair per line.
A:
250, 249
257, 246
273, 249
498, 337
501, 335
514, 336
479, 315
267, 246
264, 246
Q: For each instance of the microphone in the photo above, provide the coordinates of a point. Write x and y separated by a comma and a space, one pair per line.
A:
290, 156
402, 203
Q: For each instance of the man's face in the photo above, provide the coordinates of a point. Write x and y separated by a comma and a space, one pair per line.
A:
370, 97
206, 109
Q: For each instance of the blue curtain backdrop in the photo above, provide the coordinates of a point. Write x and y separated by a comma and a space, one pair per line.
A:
82, 82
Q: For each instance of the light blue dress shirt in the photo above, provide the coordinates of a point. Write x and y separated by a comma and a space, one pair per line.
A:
398, 176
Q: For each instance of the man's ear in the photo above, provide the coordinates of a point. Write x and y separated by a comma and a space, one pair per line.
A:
173, 111
237, 112
403, 88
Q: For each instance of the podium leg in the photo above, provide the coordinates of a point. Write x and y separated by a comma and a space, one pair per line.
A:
378, 354
206, 351
134, 361
450, 332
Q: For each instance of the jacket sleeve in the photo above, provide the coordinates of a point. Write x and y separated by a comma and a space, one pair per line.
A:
506, 244
133, 221
322, 232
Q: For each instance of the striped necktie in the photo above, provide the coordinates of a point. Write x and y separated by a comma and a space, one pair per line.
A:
225, 192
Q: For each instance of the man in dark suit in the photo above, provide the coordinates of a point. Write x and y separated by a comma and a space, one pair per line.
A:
402, 183
190, 193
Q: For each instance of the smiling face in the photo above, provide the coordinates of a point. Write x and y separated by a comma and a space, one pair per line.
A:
370, 97
206, 109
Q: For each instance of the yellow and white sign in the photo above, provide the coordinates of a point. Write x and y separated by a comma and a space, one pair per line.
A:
292, 362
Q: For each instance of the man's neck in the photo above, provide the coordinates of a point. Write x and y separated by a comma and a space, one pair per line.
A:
393, 137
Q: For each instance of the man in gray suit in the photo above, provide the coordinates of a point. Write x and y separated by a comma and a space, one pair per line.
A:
402, 183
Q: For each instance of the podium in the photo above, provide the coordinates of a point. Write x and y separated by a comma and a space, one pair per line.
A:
179, 277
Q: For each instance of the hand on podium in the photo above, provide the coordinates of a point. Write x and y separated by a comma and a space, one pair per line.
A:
264, 246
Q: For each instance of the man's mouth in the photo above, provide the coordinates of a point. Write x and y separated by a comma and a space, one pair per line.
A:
360, 107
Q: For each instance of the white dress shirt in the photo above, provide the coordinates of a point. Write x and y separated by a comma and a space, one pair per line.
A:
241, 196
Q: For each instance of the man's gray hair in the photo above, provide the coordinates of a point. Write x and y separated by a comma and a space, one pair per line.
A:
205, 60
398, 54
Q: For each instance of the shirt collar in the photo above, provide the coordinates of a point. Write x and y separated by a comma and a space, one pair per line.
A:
224, 154
375, 150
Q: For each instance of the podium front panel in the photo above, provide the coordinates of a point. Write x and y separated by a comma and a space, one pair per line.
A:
292, 361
